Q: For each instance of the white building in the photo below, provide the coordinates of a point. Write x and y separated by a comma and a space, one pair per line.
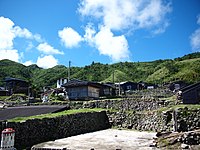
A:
60, 82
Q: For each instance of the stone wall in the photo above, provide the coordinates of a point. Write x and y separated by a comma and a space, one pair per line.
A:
148, 121
40, 130
187, 120
127, 104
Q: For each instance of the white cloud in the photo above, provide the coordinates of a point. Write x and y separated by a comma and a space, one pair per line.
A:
38, 37
123, 16
6, 33
126, 14
6, 40
23, 33
69, 37
48, 49
116, 47
47, 61
10, 54
195, 40
30, 46
161, 29
89, 34
28, 63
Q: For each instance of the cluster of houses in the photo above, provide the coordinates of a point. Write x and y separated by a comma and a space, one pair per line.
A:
78, 89
87, 90
14, 85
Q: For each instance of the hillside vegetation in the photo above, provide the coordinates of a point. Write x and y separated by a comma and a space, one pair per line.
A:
185, 68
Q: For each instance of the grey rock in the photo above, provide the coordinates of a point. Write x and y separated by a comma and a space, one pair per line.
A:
185, 146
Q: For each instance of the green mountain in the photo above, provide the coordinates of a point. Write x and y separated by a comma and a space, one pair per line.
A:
185, 68
13, 69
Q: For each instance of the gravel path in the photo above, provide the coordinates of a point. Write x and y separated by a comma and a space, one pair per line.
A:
110, 139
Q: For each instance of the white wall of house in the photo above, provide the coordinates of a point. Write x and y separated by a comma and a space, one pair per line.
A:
60, 82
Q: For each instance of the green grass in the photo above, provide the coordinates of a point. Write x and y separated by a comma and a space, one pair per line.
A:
53, 115
2, 98
189, 106
189, 60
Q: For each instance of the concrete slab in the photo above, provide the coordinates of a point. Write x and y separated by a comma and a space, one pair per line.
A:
111, 139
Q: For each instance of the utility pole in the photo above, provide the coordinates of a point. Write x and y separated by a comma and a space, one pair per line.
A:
113, 76
69, 71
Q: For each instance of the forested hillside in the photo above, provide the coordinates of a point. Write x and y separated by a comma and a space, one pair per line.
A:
185, 68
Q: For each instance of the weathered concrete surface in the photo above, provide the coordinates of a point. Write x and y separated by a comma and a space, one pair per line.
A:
110, 139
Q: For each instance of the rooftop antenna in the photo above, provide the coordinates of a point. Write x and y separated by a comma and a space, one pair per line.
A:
69, 71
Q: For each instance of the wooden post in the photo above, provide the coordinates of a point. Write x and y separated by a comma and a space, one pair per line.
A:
174, 119
69, 71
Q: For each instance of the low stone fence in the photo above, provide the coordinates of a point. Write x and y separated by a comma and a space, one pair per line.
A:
35, 131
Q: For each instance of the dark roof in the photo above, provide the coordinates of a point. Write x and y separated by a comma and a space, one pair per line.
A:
190, 87
108, 85
25, 111
8, 79
76, 83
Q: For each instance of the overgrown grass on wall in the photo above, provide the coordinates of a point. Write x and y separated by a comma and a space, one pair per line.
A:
52, 115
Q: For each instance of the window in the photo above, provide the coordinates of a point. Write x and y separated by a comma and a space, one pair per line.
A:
128, 87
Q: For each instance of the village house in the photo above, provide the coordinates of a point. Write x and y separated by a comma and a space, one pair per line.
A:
176, 85
82, 90
123, 87
15, 85
142, 85
190, 94
3, 91
107, 90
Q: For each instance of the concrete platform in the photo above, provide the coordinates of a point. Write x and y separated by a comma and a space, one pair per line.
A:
111, 139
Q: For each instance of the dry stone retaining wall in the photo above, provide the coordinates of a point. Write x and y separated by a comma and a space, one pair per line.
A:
127, 104
36, 131
187, 120
150, 121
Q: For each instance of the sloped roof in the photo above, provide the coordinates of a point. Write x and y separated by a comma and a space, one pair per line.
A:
76, 83
190, 87
13, 79
25, 111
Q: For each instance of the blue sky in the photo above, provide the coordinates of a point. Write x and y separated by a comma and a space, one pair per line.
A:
54, 32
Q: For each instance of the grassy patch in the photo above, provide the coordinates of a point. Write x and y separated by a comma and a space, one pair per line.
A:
52, 115
2, 98
189, 106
